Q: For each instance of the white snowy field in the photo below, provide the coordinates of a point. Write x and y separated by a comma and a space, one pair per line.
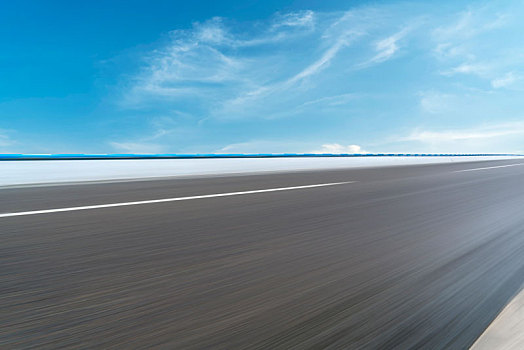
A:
58, 171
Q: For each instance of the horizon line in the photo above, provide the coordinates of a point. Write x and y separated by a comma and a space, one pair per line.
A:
123, 156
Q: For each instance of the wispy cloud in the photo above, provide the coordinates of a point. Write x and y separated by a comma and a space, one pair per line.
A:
468, 68
504, 81
136, 147
335, 148
286, 146
473, 22
311, 65
206, 53
5, 140
326, 57
282, 87
161, 134
335, 100
294, 19
501, 137
435, 102
287, 60
461, 45
479, 132
264, 146
387, 47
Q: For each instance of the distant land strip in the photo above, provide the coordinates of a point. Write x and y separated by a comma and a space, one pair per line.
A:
21, 157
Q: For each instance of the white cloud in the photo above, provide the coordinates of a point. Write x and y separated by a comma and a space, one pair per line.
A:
335, 100
267, 146
449, 51
288, 88
326, 57
214, 62
435, 102
480, 132
465, 45
462, 26
303, 64
232, 74
294, 19
161, 134
137, 147
502, 137
504, 81
284, 26
471, 23
5, 139
335, 148
263, 146
387, 47
211, 31
468, 68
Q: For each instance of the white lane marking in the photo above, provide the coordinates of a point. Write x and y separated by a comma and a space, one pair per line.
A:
489, 167
99, 206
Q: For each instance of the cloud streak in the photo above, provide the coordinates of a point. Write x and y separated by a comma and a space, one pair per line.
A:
336, 148
5, 139
137, 147
386, 48
329, 69
504, 81
476, 133
287, 61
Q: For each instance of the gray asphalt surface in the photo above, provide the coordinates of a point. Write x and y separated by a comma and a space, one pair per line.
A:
405, 257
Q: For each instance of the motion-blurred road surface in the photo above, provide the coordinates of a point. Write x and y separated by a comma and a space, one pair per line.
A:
400, 257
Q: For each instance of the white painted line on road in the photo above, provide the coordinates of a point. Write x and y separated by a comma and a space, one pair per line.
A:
489, 167
111, 205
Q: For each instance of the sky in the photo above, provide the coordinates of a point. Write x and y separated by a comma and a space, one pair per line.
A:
261, 76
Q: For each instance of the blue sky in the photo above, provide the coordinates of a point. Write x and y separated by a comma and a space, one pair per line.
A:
261, 76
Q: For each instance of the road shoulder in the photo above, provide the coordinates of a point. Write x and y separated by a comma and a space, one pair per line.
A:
507, 330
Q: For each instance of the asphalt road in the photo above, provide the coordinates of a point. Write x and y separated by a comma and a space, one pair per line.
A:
402, 257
